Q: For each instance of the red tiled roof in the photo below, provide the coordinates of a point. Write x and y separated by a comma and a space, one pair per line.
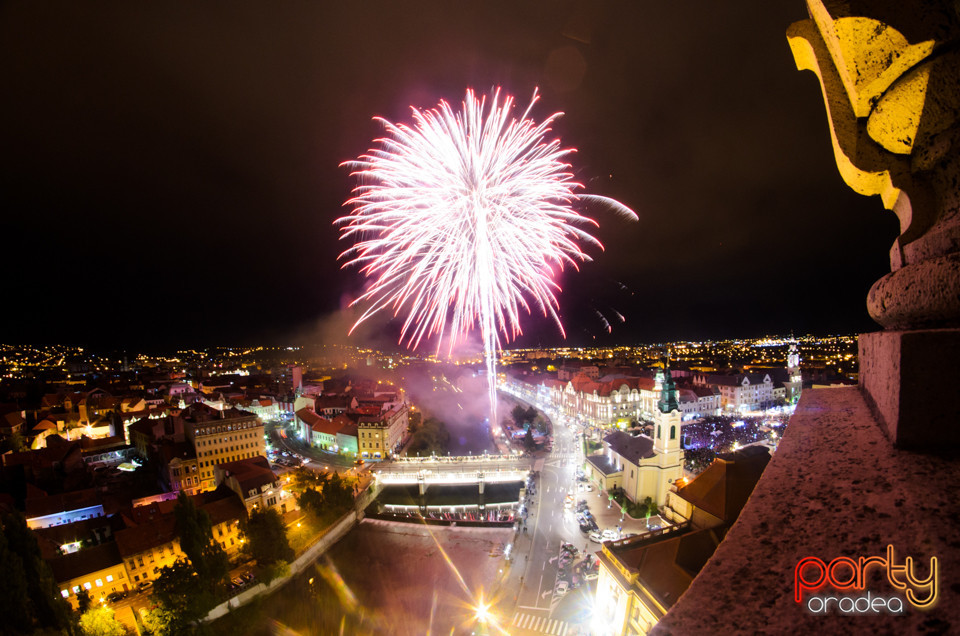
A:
87, 561
324, 426
131, 541
723, 488
308, 416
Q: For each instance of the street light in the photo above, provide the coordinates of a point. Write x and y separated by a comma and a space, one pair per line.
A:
482, 613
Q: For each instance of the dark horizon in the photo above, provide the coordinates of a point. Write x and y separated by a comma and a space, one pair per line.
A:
171, 173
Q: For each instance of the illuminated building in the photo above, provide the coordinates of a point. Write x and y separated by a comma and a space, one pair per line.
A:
743, 392
221, 436
257, 486
150, 542
642, 577
641, 466
99, 570
605, 402
380, 436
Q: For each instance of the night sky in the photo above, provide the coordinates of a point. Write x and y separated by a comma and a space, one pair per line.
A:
170, 175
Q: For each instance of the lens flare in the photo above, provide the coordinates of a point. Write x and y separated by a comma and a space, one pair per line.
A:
463, 220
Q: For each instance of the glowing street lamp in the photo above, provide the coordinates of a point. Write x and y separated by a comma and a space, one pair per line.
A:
482, 613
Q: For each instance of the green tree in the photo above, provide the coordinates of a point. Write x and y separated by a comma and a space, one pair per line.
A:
183, 596
432, 437
15, 443
266, 538
100, 621
206, 556
519, 415
528, 442
47, 606
303, 478
83, 600
531, 414
160, 621
14, 602
311, 501
337, 494
648, 507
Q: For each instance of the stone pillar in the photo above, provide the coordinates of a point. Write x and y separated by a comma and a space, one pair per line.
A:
482, 502
890, 75
422, 500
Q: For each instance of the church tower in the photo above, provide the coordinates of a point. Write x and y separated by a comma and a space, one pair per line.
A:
667, 426
793, 370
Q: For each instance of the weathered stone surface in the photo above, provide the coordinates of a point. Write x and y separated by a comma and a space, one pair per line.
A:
909, 379
835, 487
924, 294
890, 75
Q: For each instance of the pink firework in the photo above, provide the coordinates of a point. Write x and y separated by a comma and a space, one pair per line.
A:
464, 219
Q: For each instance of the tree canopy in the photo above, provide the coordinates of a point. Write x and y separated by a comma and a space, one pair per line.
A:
29, 597
183, 596
100, 621
266, 538
431, 437
206, 556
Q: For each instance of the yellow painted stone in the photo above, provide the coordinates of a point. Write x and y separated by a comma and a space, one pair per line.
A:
864, 166
867, 54
896, 118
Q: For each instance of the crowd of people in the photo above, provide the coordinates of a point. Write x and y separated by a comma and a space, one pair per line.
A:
721, 433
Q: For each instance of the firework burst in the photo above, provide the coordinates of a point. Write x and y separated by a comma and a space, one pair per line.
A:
463, 220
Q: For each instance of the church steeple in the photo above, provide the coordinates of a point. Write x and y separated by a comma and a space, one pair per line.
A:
668, 395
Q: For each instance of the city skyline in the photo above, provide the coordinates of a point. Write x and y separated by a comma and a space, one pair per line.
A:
175, 180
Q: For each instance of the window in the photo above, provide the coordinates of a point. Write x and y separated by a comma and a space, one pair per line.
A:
109, 578
673, 432
659, 433
76, 589
87, 586
65, 593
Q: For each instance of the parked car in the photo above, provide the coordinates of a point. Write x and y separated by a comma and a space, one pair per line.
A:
562, 588
610, 534
586, 528
596, 537
144, 585
592, 575
113, 597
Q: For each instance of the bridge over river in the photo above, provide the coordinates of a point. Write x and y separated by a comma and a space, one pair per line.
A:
452, 484
454, 470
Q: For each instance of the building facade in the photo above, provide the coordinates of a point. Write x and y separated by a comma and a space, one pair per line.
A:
152, 542
380, 437
98, 570
739, 393
641, 466
219, 437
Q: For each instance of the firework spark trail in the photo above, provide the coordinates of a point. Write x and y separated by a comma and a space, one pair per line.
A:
464, 220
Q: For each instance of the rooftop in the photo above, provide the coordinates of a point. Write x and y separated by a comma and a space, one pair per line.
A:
85, 561
835, 487
631, 448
